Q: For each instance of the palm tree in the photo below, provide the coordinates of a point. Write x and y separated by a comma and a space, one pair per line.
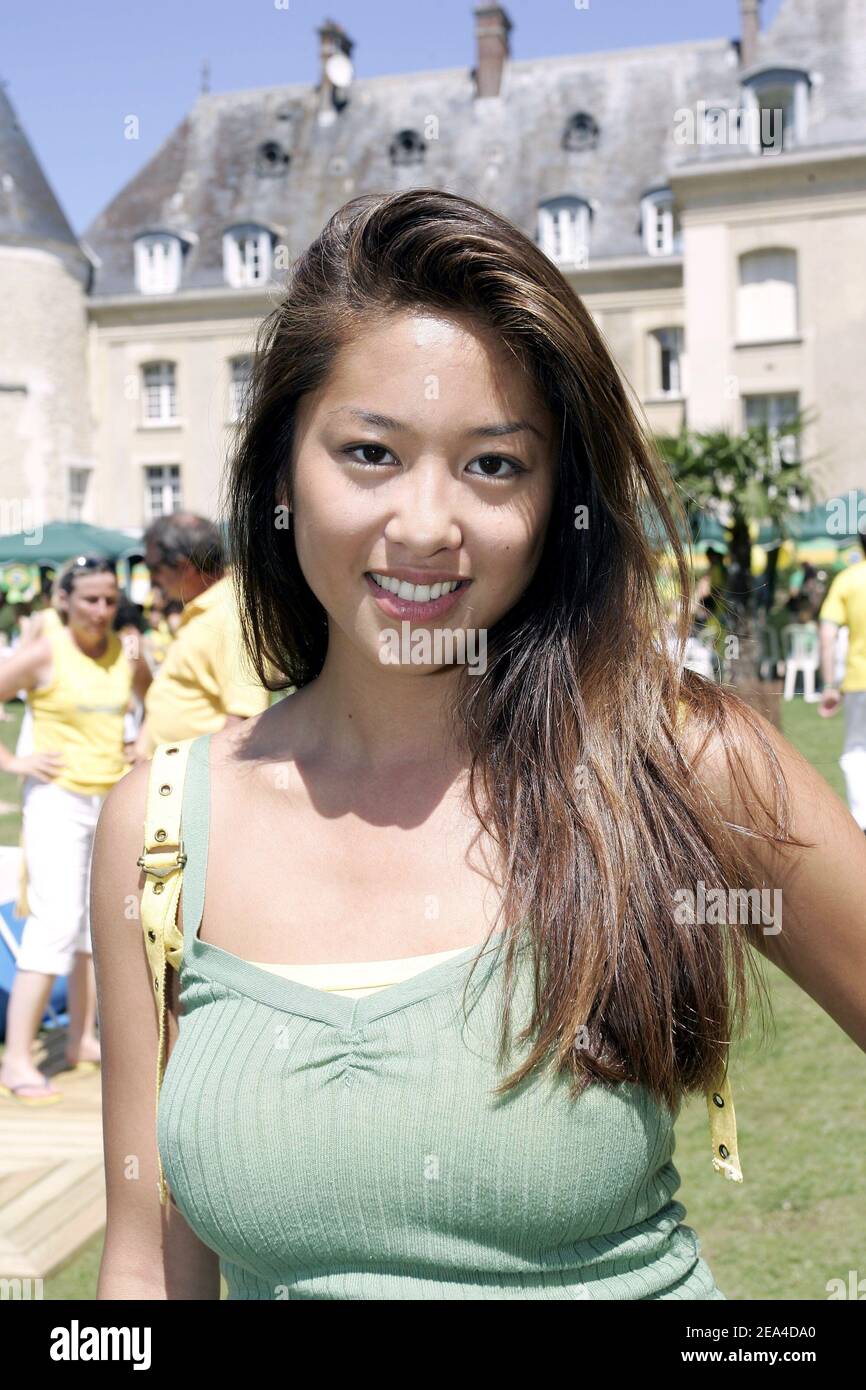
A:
738, 479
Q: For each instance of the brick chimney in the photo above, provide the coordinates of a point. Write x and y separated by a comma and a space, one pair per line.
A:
750, 27
492, 27
332, 39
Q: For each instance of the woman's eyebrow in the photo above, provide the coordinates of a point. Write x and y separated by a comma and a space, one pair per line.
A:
387, 422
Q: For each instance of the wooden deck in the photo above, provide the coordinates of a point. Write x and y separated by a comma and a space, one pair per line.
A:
52, 1181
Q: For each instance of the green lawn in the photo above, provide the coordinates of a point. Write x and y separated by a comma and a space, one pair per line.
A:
797, 1220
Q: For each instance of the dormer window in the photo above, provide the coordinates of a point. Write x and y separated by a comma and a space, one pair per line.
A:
661, 234
776, 109
563, 230
407, 147
247, 254
581, 132
158, 262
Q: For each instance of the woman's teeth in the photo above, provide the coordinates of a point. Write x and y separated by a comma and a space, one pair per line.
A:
415, 593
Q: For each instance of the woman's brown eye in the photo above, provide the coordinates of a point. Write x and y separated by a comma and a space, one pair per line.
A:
364, 450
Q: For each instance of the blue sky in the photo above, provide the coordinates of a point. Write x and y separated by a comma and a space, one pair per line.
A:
74, 71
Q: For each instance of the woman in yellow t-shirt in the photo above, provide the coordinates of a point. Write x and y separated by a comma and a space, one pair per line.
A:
78, 682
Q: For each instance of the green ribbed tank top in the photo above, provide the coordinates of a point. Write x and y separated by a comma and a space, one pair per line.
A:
335, 1148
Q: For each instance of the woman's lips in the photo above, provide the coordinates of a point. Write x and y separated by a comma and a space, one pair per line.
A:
404, 608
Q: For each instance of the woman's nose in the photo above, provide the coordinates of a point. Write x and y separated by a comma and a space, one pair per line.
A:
426, 513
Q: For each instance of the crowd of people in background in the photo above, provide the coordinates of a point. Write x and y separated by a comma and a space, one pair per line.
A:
104, 681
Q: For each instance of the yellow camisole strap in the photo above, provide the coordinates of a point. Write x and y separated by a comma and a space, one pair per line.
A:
162, 860
720, 1098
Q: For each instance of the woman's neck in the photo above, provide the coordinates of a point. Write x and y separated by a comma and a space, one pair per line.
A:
90, 647
366, 718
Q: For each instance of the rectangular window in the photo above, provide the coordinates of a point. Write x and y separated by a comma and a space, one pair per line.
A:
160, 397
78, 479
670, 351
775, 412
240, 379
162, 494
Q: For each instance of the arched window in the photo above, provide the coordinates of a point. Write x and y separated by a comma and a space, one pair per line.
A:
581, 132
159, 393
407, 147
661, 233
247, 254
767, 295
776, 114
158, 260
563, 230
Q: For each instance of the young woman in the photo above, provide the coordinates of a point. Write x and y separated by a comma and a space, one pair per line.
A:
78, 681
439, 1005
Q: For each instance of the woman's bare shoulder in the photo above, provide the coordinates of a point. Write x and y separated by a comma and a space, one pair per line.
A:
263, 738
121, 818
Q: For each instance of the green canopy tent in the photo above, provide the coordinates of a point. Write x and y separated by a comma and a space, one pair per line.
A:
832, 523
58, 541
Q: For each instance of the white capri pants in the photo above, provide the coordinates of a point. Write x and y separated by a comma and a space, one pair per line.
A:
853, 759
59, 828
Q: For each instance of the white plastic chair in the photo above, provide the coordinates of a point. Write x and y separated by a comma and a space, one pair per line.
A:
800, 641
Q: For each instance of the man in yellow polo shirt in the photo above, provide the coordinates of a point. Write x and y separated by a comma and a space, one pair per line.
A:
845, 606
205, 680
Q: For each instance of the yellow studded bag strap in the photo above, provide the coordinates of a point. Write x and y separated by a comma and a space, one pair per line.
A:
162, 860
720, 1098
723, 1131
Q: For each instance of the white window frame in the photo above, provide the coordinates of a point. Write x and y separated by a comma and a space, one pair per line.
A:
763, 91
564, 230
660, 234
247, 255
159, 389
158, 261
767, 295
774, 409
238, 384
670, 340
168, 481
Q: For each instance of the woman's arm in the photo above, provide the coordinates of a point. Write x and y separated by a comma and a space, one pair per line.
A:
821, 891
20, 670
141, 677
149, 1250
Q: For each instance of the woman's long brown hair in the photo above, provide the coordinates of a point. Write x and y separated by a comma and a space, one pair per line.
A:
578, 768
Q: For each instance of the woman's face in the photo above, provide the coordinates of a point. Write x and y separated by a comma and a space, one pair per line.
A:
91, 604
426, 457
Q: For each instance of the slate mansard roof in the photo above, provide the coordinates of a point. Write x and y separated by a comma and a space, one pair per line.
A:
505, 152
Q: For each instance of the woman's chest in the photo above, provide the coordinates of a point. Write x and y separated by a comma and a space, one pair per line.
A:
316, 887
289, 1142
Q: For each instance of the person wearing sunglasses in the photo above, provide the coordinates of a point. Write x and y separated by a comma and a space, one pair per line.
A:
78, 681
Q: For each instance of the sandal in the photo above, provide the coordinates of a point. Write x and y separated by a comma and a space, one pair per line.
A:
48, 1098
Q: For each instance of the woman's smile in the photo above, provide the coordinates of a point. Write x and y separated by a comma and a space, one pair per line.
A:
401, 595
